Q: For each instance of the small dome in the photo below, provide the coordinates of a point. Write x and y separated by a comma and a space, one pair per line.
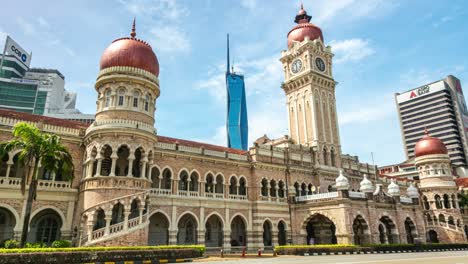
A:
412, 191
131, 52
393, 188
366, 185
304, 29
342, 182
429, 145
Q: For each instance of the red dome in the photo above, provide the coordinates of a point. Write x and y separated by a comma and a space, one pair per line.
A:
131, 52
429, 145
304, 29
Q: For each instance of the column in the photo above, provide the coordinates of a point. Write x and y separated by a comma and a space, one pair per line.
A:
89, 170
143, 168
141, 209
314, 118
304, 119
330, 120
323, 118
114, 158
126, 214
89, 223
297, 121
98, 169
108, 219
9, 164
131, 158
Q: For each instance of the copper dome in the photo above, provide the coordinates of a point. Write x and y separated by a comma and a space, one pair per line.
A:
429, 145
130, 52
303, 28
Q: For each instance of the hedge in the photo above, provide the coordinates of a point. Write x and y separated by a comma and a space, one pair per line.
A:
98, 254
328, 249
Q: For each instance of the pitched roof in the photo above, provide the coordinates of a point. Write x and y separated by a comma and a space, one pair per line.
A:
44, 119
462, 182
200, 145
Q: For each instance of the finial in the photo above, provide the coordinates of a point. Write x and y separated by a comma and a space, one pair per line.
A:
302, 6
426, 132
133, 34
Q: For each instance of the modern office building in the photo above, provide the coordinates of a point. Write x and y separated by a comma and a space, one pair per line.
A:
35, 90
237, 123
440, 108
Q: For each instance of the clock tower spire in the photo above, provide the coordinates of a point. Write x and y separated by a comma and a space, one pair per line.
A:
310, 90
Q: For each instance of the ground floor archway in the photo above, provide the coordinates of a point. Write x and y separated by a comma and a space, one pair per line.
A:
320, 230
7, 224
267, 234
214, 235
282, 233
432, 237
158, 232
238, 232
188, 230
387, 231
361, 231
45, 227
410, 229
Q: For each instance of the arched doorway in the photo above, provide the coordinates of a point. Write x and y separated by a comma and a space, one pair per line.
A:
188, 233
387, 231
410, 229
361, 231
214, 232
281, 233
7, 225
121, 168
238, 232
267, 237
45, 227
320, 230
432, 237
158, 230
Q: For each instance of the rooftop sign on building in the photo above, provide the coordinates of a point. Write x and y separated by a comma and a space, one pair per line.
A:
13, 48
420, 91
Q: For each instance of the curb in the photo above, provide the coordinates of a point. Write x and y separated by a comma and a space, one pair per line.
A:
156, 261
380, 252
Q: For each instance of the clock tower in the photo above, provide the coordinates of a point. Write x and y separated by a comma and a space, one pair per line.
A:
310, 91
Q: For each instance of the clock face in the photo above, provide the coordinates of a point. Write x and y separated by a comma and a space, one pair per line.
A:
320, 64
296, 66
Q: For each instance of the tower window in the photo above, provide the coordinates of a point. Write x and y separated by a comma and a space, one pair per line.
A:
135, 99
147, 103
121, 97
108, 98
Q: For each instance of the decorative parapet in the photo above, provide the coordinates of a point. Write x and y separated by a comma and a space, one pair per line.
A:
59, 130
357, 195
120, 123
219, 154
237, 157
43, 185
406, 200
127, 70
190, 149
316, 197
169, 146
115, 182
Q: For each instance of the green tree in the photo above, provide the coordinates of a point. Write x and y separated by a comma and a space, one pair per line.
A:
36, 148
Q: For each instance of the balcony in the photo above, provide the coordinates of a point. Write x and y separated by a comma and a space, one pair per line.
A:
43, 185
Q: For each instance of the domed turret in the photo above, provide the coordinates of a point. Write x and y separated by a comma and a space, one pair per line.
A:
342, 182
304, 28
429, 146
393, 188
131, 52
366, 185
412, 191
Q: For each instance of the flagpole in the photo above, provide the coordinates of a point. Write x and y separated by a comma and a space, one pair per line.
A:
3, 54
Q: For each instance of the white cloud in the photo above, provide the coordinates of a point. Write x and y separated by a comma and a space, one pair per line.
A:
249, 4
165, 9
351, 50
359, 114
170, 39
26, 26
43, 22
329, 11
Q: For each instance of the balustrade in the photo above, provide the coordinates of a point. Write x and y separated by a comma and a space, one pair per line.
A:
315, 197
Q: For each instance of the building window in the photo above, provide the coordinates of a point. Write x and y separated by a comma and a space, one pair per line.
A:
147, 103
108, 98
135, 99
121, 97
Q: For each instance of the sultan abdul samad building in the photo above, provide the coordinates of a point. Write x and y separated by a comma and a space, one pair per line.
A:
135, 187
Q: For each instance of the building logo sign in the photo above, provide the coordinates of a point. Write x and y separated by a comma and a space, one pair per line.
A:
420, 91
13, 48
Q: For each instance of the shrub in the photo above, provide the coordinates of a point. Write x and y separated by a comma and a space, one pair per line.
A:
61, 244
11, 243
36, 245
200, 249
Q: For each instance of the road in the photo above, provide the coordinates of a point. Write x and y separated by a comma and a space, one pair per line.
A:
447, 257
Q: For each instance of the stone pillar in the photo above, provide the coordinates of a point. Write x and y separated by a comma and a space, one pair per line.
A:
9, 164
143, 168
251, 245
114, 158
173, 236
227, 240
201, 236
141, 209
89, 171
108, 219
131, 158
126, 214
90, 229
98, 168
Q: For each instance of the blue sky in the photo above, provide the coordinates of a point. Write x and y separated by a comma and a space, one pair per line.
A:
380, 47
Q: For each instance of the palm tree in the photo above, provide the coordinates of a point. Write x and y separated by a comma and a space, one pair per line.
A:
36, 148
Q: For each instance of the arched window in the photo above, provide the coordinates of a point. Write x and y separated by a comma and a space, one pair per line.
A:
332, 157
297, 188
233, 186
108, 98
264, 187
219, 184
242, 187
446, 201
166, 179
121, 97
425, 203
281, 189
273, 188
136, 95
454, 201
303, 189
441, 218
209, 185
147, 100
183, 181
438, 201
193, 185
325, 157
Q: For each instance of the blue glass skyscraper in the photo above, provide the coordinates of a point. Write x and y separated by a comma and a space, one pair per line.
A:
237, 124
